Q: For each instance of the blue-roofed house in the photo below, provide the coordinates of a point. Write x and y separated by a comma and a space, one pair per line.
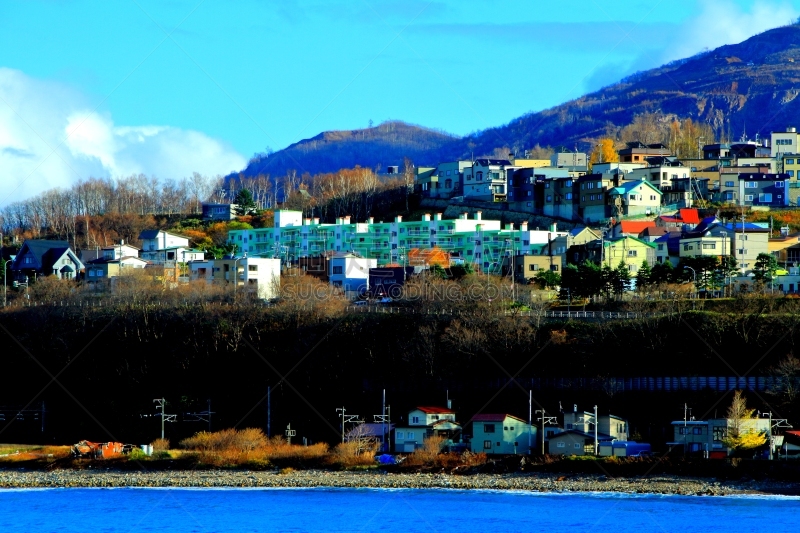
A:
634, 198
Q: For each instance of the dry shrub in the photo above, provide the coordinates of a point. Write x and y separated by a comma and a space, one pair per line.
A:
473, 459
160, 445
349, 454
232, 447
428, 454
559, 336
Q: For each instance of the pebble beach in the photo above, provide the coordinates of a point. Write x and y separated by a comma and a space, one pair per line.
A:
18, 479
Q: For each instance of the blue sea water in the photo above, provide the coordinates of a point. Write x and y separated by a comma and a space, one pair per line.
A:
407, 511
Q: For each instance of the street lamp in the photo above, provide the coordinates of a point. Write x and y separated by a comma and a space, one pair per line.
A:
724, 234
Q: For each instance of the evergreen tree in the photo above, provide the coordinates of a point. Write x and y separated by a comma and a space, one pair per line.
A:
244, 202
662, 273
548, 279
622, 278
764, 268
643, 277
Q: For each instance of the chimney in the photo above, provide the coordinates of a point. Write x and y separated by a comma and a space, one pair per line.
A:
338, 221
524, 226
398, 218
306, 221
437, 216
464, 216
316, 221
510, 226
346, 220
426, 217
478, 215
371, 220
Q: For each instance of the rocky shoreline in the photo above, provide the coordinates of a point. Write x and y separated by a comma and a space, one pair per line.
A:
531, 482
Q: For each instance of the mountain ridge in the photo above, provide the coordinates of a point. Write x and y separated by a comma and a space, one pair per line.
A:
744, 88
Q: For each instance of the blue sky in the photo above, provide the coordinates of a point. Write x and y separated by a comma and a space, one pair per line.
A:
167, 88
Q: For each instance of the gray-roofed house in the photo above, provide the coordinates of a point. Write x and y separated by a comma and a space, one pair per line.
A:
39, 258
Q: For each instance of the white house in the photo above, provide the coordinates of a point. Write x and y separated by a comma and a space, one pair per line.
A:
153, 239
350, 272
424, 422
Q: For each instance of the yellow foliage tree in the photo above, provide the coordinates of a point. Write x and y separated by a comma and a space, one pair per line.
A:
604, 152
739, 437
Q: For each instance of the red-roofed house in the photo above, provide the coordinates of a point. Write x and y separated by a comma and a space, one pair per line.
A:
684, 217
501, 434
424, 422
631, 228
791, 444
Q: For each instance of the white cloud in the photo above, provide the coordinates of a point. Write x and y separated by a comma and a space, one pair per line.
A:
723, 22
49, 137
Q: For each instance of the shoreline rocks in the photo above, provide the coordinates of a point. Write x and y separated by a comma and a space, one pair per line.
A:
530, 482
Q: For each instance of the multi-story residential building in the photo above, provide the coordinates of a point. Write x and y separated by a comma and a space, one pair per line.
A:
443, 181
350, 272
749, 240
769, 190
571, 160
214, 211
592, 197
661, 173
560, 198
709, 238
487, 179
784, 142
636, 152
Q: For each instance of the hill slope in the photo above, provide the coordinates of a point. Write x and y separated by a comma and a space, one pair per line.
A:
384, 145
751, 86
748, 86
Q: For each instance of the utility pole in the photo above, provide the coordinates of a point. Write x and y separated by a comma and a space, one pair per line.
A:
384, 420
545, 420
595, 431
289, 434
346, 418
160, 404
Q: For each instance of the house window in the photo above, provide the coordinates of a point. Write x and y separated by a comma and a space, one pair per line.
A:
697, 431
568, 196
533, 268
765, 197
448, 184
560, 445
337, 270
28, 260
683, 431
790, 161
479, 176
487, 445
549, 198
488, 428
750, 185
660, 247
577, 445
632, 253
652, 197
720, 433
729, 184
398, 435
252, 268
632, 197
410, 435
554, 268
415, 420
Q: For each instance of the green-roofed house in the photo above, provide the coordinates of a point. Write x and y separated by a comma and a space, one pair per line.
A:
631, 250
633, 198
